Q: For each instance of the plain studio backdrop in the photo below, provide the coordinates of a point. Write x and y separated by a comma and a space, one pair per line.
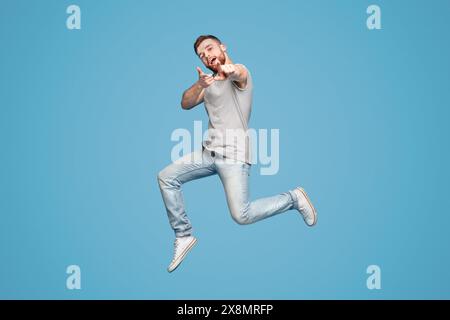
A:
85, 126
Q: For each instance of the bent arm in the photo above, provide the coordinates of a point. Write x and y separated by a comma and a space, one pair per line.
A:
192, 96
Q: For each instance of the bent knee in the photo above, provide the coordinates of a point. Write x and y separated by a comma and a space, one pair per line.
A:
162, 178
240, 217
167, 179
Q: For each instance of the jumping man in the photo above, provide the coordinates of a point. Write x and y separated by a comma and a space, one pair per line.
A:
227, 96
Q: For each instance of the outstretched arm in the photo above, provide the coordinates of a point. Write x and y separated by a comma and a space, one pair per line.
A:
237, 73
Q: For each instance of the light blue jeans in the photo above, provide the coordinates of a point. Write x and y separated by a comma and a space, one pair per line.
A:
234, 176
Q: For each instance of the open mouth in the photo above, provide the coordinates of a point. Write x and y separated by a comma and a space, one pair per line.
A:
212, 61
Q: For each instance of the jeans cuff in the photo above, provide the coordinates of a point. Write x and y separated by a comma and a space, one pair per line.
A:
185, 233
294, 198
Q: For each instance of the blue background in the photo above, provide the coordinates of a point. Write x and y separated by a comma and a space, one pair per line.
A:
86, 119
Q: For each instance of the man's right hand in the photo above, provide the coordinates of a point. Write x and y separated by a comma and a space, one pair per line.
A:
204, 80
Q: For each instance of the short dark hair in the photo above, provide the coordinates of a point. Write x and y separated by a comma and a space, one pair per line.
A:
204, 37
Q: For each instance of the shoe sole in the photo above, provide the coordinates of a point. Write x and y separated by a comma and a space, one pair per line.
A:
312, 207
183, 255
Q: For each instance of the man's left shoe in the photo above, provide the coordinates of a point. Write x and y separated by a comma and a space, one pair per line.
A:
305, 207
181, 248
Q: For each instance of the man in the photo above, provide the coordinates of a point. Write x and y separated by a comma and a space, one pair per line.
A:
227, 95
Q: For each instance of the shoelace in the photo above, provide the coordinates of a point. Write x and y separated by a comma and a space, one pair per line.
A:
176, 243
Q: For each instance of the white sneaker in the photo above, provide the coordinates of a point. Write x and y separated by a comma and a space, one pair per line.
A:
305, 207
182, 247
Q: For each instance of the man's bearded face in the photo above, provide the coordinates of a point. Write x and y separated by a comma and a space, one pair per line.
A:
211, 54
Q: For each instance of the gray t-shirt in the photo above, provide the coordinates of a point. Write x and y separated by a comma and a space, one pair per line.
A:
229, 109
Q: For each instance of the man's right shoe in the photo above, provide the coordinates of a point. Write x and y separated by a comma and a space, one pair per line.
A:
305, 207
182, 246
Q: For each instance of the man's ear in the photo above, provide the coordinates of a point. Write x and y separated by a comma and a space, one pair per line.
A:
223, 47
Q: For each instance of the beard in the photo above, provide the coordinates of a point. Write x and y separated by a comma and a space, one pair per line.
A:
221, 59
